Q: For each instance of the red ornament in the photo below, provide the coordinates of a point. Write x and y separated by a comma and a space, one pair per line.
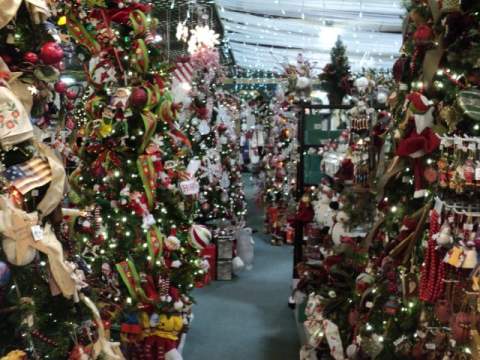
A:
461, 324
51, 53
70, 106
99, 240
71, 94
60, 87
138, 98
60, 66
30, 57
423, 35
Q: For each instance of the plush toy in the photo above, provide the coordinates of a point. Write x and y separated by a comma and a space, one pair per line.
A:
245, 247
323, 212
305, 212
162, 336
340, 228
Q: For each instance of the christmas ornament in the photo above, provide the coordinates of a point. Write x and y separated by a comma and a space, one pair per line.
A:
200, 236
51, 53
469, 103
60, 87
139, 97
30, 57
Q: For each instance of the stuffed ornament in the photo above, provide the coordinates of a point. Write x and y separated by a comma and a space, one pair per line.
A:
245, 247
339, 229
324, 214
419, 139
305, 211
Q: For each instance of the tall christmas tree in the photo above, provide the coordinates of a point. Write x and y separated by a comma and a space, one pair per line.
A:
335, 75
417, 296
135, 180
42, 278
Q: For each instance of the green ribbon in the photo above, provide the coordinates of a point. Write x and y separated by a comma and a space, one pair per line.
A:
155, 243
150, 125
131, 278
147, 174
140, 54
81, 34
139, 22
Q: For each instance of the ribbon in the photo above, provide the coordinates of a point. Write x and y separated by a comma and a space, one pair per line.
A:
138, 21
148, 175
153, 95
81, 35
155, 243
131, 278
140, 55
177, 134
150, 125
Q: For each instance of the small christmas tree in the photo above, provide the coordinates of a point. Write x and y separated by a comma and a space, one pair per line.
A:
335, 77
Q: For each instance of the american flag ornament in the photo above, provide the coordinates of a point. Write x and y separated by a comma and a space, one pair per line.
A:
29, 175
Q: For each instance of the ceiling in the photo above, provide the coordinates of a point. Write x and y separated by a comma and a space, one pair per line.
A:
263, 34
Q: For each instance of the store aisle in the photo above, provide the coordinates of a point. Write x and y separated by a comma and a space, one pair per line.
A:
247, 318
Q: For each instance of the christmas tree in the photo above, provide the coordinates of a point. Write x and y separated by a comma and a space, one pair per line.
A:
42, 277
415, 298
208, 123
135, 180
335, 77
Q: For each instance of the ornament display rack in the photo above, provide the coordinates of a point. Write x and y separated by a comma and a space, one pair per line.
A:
304, 109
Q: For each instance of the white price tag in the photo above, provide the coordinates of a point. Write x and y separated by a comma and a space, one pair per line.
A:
477, 173
37, 232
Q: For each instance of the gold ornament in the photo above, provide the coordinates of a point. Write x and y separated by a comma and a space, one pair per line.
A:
449, 116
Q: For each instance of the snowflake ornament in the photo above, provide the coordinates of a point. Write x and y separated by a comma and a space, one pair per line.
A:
202, 37
182, 32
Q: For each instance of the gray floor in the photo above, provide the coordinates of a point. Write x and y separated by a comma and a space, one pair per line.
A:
247, 318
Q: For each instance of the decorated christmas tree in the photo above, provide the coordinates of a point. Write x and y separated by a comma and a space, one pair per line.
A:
44, 310
417, 295
135, 181
335, 77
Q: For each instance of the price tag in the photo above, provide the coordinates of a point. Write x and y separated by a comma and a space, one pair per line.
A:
477, 173
37, 232
430, 346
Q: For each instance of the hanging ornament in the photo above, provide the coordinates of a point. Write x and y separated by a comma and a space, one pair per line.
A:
203, 127
51, 53
225, 181
200, 236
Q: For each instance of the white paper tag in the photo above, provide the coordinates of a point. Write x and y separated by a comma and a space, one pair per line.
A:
190, 187
37, 232
430, 346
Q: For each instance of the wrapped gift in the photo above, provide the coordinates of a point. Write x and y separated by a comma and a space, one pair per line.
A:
209, 253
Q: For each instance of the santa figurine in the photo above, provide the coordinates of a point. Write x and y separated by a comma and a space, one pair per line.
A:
419, 139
